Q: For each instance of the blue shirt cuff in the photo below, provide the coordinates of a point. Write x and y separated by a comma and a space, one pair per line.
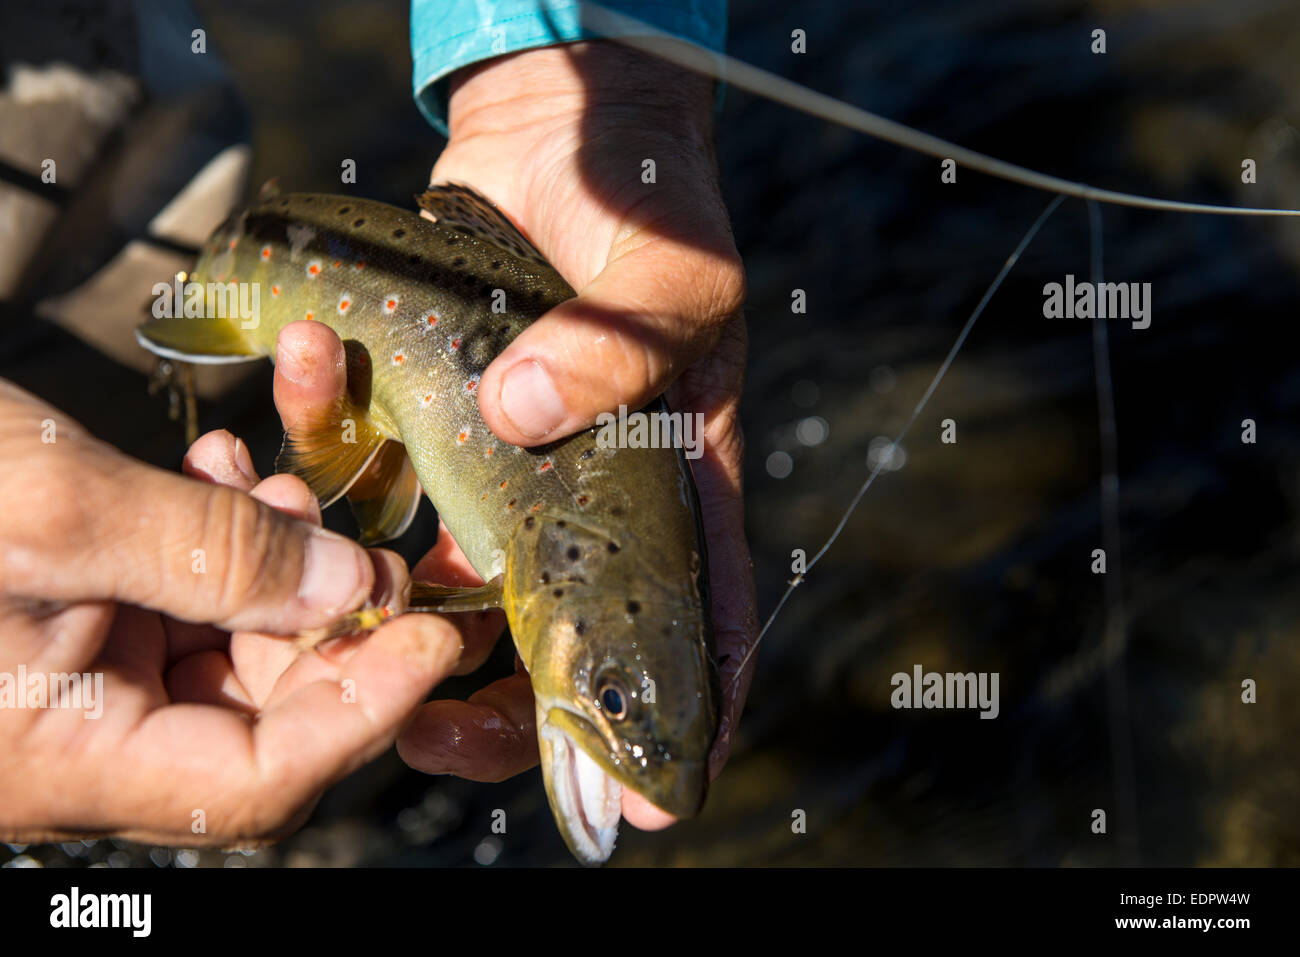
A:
449, 34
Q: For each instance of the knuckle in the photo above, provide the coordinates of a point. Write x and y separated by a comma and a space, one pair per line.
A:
241, 538
728, 288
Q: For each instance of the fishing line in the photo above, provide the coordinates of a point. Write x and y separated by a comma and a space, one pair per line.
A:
886, 456
639, 35
634, 33
1115, 628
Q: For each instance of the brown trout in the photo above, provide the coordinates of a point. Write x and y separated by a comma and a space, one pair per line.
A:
596, 554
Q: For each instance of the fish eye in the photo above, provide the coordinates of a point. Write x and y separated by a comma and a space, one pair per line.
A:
613, 697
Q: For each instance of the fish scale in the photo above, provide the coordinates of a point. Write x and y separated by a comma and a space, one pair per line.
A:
596, 554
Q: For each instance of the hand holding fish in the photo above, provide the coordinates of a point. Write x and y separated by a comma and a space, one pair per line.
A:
137, 695
557, 137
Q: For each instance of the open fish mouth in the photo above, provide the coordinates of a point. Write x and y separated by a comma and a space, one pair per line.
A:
586, 801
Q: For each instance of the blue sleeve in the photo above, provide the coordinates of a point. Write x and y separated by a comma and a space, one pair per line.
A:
449, 34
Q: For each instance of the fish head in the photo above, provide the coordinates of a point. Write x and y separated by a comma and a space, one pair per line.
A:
619, 654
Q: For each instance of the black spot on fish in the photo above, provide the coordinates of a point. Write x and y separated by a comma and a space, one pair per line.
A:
558, 593
546, 578
414, 259
496, 264
579, 626
586, 455
458, 261
358, 222
529, 522
616, 511
573, 553
452, 240
344, 210
560, 524
633, 607
399, 233
613, 547
465, 229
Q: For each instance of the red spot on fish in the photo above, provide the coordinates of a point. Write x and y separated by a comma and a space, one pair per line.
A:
582, 500
545, 466
490, 451
313, 269
511, 504
503, 485
463, 437
471, 385
310, 316
266, 252
398, 359
338, 263
232, 243
431, 319
455, 343
360, 266
427, 400
275, 290
390, 304
536, 506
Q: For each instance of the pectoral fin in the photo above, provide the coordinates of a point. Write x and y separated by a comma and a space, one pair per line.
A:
385, 496
333, 453
450, 598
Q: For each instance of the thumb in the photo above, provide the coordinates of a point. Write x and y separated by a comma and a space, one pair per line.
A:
194, 551
648, 315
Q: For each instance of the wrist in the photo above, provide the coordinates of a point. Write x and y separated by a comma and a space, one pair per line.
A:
610, 86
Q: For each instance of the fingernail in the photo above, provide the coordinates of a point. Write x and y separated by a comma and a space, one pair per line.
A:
291, 367
530, 401
244, 462
332, 573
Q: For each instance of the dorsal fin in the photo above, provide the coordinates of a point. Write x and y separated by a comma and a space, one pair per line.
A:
463, 208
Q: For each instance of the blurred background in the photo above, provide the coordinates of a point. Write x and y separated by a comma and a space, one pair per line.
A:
969, 557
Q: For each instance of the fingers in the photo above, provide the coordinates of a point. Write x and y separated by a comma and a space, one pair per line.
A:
272, 668
640, 813
253, 779
650, 313
714, 387
203, 553
221, 459
310, 372
490, 737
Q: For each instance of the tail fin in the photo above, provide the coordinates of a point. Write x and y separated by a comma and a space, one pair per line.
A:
196, 340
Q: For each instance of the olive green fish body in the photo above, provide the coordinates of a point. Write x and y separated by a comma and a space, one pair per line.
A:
599, 549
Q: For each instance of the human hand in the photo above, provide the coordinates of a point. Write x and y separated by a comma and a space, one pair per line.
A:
207, 732
557, 138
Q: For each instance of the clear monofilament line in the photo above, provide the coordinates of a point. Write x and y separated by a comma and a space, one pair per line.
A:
634, 33
1115, 625
916, 412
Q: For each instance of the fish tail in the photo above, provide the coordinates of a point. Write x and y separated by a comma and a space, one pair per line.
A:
198, 339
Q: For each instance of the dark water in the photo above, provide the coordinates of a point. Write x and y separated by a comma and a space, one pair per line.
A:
973, 556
